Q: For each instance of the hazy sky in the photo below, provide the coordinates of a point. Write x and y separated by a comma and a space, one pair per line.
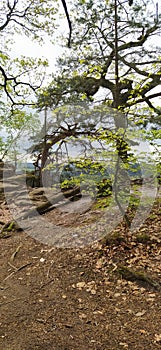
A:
25, 46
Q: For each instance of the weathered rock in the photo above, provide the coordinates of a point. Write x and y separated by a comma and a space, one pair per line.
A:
37, 191
56, 199
23, 202
8, 187
27, 179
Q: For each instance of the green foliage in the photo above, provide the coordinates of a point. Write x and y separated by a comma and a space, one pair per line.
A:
92, 176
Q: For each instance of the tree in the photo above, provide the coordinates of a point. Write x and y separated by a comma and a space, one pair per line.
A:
21, 77
111, 55
65, 125
91, 64
111, 64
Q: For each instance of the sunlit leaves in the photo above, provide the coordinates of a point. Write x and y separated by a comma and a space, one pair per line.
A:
21, 79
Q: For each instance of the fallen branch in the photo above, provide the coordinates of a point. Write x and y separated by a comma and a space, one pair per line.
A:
16, 269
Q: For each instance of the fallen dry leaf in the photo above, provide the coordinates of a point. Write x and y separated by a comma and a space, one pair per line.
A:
80, 284
158, 338
141, 313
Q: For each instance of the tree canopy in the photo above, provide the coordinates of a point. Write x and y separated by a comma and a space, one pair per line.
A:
90, 65
114, 61
20, 77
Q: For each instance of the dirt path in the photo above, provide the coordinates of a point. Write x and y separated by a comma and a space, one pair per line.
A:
79, 299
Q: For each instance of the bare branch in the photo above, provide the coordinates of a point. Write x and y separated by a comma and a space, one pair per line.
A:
68, 19
15, 85
9, 14
147, 100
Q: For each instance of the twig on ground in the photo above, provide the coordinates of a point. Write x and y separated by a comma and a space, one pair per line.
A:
16, 251
52, 262
15, 270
